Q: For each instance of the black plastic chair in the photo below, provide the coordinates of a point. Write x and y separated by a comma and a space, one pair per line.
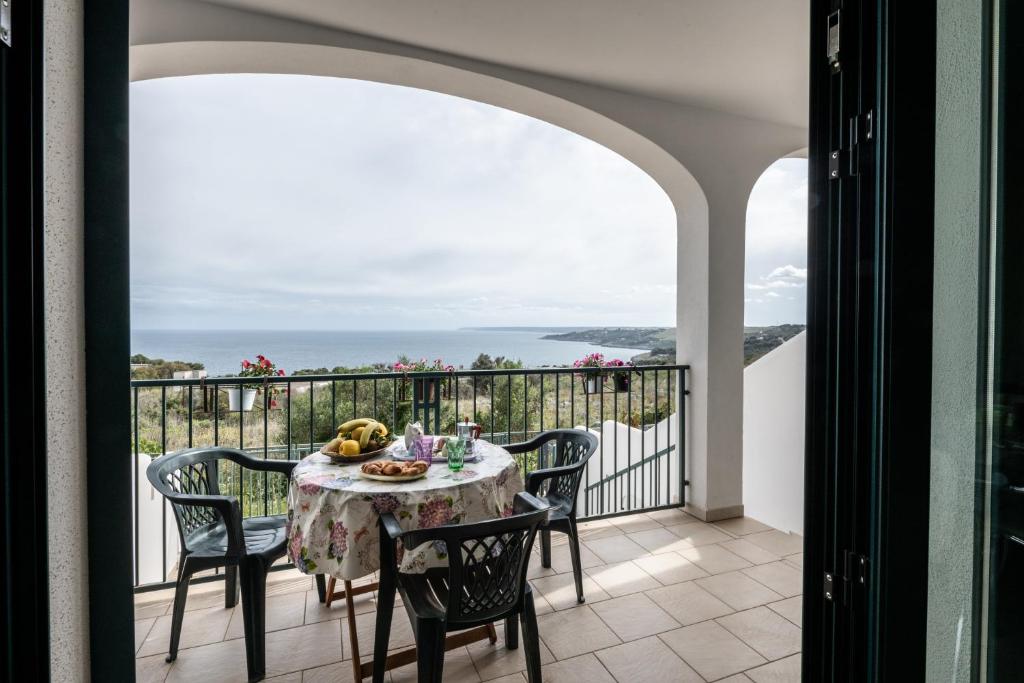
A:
485, 581
558, 486
214, 534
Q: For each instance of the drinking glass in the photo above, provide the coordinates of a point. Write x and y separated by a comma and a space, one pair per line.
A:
456, 447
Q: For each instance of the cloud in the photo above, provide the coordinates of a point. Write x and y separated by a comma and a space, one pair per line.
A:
300, 202
783, 277
777, 234
379, 206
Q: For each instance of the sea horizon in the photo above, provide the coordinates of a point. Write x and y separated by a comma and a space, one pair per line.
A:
221, 351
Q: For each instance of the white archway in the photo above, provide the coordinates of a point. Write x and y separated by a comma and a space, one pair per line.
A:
705, 161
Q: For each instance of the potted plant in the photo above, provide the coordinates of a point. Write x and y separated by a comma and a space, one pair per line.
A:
426, 388
592, 381
620, 378
242, 397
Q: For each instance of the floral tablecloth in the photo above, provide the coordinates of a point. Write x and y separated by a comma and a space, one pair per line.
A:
333, 512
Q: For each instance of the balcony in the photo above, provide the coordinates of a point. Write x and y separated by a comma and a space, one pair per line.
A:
669, 597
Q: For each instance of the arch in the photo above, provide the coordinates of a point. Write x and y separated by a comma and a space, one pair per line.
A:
161, 60
706, 263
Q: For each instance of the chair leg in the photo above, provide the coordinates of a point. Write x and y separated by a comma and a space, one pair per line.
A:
382, 629
254, 591
531, 639
230, 586
511, 633
429, 650
574, 552
545, 548
321, 587
178, 615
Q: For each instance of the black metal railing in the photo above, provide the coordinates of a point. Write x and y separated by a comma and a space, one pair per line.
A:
638, 415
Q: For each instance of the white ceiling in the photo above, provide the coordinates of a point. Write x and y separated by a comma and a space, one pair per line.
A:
747, 57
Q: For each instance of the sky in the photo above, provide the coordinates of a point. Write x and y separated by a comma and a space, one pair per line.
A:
300, 202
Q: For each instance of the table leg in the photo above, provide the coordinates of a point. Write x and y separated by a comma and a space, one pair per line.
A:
353, 637
365, 670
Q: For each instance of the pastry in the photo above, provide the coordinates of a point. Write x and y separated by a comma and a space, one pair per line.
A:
373, 467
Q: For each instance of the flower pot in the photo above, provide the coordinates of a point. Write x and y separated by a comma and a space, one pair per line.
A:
241, 399
621, 380
592, 384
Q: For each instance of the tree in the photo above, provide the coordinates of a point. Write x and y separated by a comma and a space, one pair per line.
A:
483, 362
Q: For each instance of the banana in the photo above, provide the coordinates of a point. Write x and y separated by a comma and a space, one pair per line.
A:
368, 431
352, 424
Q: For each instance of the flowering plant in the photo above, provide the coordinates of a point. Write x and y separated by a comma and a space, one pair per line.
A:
422, 365
591, 360
263, 367
597, 360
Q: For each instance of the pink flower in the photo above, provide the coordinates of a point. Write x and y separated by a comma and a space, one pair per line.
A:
246, 364
339, 539
280, 373
434, 512
295, 545
264, 362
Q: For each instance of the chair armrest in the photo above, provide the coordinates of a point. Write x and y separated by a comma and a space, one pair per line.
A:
259, 464
229, 510
528, 446
527, 502
390, 526
537, 477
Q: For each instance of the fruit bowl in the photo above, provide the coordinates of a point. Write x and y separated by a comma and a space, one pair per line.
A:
359, 439
347, 459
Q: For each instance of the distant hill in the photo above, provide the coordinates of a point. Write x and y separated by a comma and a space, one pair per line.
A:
661, 341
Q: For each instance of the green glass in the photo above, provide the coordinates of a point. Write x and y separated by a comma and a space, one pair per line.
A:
456, 447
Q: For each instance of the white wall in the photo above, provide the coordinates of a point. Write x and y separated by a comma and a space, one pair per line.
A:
63, 216
624, 446
773, 436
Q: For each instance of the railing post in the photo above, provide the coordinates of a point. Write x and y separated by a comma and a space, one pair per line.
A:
681, 393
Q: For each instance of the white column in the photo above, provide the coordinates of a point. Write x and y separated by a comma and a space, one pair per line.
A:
709, 338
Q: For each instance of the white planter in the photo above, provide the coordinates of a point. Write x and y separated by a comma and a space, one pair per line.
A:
592, 384
247, 398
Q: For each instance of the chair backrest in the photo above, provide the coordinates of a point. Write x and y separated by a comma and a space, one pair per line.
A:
188, 473
487, 565
571, 447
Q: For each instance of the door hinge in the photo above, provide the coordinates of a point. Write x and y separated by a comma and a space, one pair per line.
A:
846, 162
855, 574
856, 568
5, 22
833, 41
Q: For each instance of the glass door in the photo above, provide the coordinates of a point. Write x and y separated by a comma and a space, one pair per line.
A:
976, 518
999, 648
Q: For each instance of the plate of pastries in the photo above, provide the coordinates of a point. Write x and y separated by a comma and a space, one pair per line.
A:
387, 470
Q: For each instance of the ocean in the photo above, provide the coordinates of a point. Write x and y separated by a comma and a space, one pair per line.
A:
222, 351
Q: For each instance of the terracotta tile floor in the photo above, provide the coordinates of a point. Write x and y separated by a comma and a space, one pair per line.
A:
669, 598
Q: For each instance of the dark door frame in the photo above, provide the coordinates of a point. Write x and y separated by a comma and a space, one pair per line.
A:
24, 598
869, 341
107, 330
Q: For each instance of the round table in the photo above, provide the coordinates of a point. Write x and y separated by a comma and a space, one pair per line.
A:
333, 512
